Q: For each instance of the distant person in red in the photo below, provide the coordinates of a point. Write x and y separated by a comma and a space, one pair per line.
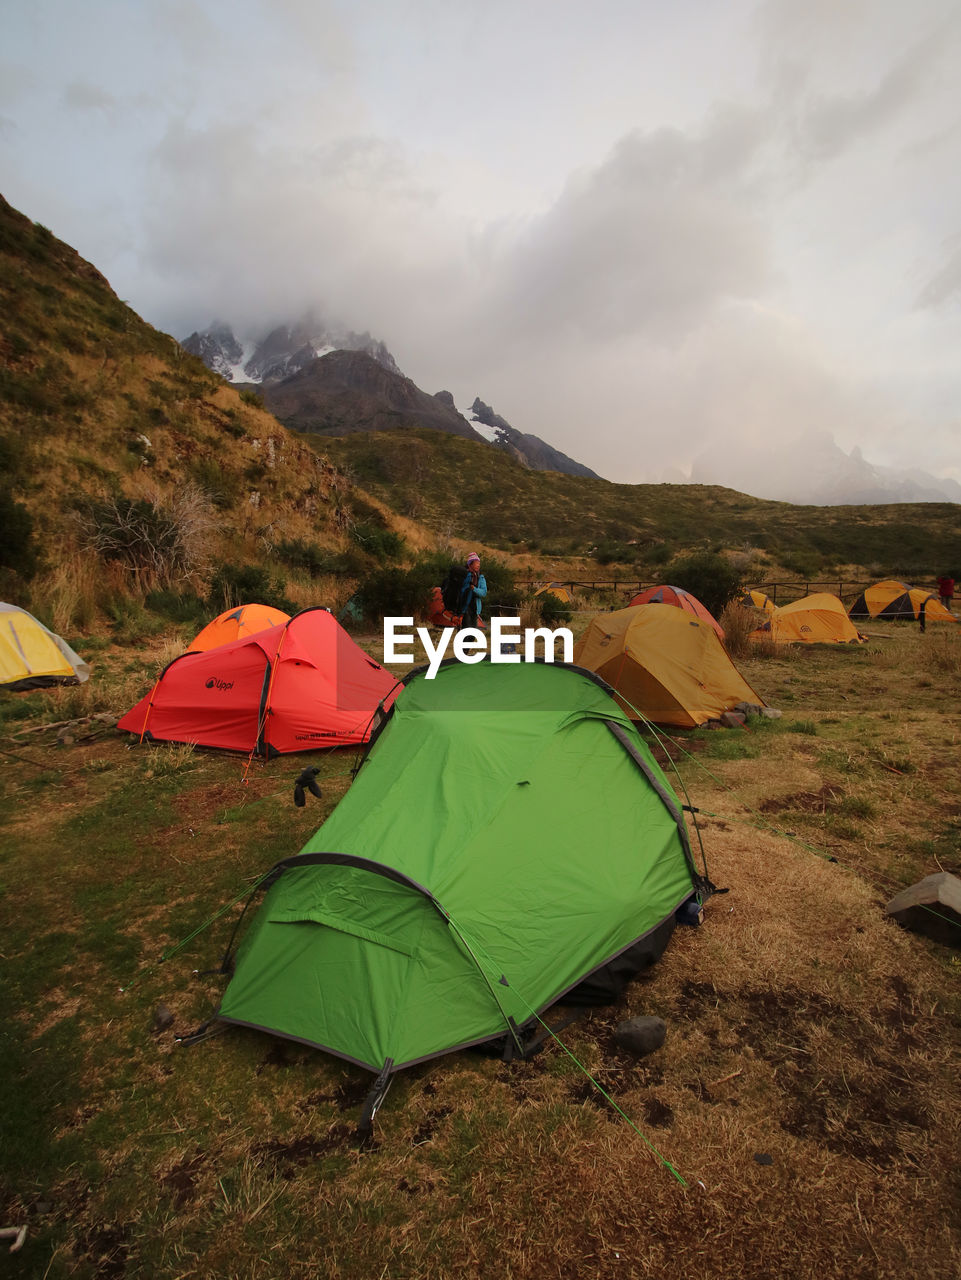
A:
946, 589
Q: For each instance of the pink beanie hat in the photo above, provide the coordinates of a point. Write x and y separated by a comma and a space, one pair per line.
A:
473, 556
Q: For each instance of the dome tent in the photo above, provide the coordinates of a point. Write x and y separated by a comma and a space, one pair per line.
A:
456, 891
235, 624
31, 656
816, 619
666, 665
893, 599
556, 589
296, 687
681, 599
757, 600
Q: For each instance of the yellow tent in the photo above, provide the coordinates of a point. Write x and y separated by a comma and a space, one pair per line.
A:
893, 599
817, 619
757, 600
31, 656
555, 589
664, 664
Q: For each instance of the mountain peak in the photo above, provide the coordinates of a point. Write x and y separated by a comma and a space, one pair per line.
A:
279, 352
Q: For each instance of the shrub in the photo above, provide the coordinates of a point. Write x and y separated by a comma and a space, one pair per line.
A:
158, 542
608, 552
659, 553
406, 592
553, 610
223, 487
305, 555
402, 592
234, 585
382, 544
17, 549
708, 576
501, 588
177, 606
806, 563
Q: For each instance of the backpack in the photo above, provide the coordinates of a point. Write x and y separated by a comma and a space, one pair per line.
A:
452, 588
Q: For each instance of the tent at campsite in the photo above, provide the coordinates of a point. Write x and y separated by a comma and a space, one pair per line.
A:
294, 687
757, 600
237, 623
663, 665
507, 843
817, 619
892, 599
31, 656
555, 589
681, 599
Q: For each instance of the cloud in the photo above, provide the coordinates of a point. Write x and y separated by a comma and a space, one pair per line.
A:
647, 242
79, 95
638, 249
241, 229
945, 284
833, 123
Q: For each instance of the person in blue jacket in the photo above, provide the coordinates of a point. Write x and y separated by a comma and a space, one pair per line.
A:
473, 593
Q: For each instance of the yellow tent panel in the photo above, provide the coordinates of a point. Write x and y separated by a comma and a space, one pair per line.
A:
663, 665
817, 619
32, 655
893, 599
758, 600
555, 589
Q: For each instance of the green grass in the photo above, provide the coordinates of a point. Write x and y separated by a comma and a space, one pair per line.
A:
529, 508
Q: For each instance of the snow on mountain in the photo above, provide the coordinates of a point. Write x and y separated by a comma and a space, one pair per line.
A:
306, 395
284, 350
493, 435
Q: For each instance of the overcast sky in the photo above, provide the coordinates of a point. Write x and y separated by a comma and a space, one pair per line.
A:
657, 235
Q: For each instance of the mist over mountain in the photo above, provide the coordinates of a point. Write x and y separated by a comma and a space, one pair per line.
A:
281, 351
815, 470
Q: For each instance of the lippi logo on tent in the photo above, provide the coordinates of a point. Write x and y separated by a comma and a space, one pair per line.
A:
222, 685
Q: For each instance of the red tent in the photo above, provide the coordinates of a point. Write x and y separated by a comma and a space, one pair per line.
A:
682, 600
295, 687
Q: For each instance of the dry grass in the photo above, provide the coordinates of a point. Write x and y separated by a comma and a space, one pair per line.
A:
941, 654
807, 1092
738, 623
71, 592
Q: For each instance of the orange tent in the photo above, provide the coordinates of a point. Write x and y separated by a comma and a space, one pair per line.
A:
817, 619
236, 624
295, 687
663, 665
681, 599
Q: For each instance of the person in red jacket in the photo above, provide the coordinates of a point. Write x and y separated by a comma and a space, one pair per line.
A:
946, 589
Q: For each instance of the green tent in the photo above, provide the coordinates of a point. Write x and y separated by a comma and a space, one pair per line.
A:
507, 837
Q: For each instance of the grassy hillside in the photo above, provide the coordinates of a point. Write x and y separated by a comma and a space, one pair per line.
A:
97, 407
448, 483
